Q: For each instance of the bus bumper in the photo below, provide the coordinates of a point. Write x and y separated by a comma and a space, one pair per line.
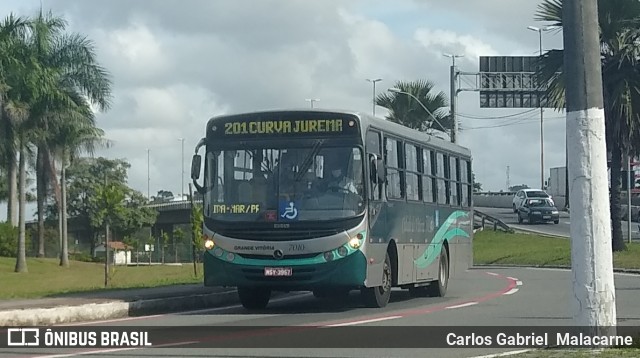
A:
349, 271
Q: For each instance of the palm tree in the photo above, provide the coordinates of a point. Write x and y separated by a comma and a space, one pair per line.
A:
77, 79
12, 105
619, 21
71, 139
404, 109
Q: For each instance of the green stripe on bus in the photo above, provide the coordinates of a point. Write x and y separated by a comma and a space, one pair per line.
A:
444, 233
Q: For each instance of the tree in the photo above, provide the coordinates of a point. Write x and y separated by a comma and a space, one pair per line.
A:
86, 177
404, 109
477, 187
619, 21
62, 119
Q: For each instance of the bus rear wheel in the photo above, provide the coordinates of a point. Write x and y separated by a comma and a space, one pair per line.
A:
439, 288
254, 298
379, 296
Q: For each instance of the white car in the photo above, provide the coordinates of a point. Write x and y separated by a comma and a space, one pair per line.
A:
524, 194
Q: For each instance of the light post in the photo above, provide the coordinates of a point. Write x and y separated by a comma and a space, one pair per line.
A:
311, 100
540, 31
374, 92
182, 174
454, 97
397, 90
148, 176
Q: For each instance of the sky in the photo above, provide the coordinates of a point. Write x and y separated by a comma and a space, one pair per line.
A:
176, 64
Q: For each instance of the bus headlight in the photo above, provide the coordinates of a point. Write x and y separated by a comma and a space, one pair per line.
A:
208, 244
355, 242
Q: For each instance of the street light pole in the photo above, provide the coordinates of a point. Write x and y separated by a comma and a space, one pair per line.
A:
539, 31
454, 97
374, 92
148, 177
311, 100
397, 90
182, 175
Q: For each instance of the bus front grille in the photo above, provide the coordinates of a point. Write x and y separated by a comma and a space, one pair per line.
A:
270, 257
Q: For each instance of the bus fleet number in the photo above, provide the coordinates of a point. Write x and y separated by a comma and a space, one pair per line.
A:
296, 247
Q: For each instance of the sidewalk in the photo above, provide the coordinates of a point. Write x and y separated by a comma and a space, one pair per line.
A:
110, 304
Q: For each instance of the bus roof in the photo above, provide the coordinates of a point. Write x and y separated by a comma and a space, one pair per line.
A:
366, 121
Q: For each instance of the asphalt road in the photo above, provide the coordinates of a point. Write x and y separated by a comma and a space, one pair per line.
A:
483, 297
561, 229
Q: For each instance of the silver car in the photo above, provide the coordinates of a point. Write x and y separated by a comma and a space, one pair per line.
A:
522, 195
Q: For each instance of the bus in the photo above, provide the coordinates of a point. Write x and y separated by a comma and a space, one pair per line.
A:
273, 221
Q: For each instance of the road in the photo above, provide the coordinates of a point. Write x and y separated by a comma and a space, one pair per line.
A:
561, 229
483, 297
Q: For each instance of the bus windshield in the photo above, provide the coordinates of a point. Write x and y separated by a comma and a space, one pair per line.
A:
279, 184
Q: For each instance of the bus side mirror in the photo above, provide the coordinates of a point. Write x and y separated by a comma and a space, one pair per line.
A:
377, 174
196, 162
382, 173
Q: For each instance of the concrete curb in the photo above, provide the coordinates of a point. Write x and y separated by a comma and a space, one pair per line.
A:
112, 310
559, 267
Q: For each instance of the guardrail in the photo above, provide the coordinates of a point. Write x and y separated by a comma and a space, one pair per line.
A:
481, 220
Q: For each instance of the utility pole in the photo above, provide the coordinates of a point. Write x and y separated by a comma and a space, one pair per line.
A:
148, 177
508, 179
106, 234
374, 93
182, 173
594, 303
454, 97
540, 103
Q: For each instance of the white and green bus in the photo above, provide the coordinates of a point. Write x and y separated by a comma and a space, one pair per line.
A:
276, 219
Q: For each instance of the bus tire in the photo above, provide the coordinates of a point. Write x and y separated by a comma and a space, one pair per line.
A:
254, 298
378, 297
439, 288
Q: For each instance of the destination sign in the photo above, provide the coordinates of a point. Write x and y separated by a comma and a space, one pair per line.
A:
236, 209
286, 127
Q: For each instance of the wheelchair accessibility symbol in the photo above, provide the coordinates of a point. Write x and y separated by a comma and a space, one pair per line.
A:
288, 210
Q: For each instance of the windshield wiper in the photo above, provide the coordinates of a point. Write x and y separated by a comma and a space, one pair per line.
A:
308, 161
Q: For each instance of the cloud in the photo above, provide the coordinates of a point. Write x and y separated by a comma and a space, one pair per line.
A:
177, 64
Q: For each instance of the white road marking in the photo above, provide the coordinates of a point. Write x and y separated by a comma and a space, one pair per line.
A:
511, 291
493, 274
505, 353
462, 305
363, 321
518, 283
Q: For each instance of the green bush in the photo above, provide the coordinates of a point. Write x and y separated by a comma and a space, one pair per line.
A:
8, 240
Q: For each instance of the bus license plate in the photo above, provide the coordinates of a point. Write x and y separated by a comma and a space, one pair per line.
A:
278, 271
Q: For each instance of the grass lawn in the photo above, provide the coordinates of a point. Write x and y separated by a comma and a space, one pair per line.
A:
498, 247
46, 278
581, 353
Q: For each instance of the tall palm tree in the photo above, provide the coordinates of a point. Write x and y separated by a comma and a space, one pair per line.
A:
13, 55
619, 21
73, 137
77, 80
405, 110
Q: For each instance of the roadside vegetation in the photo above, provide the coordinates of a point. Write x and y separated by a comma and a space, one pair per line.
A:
499, 247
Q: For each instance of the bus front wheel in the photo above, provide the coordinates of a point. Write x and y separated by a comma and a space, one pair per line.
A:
254, 298
379, 296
